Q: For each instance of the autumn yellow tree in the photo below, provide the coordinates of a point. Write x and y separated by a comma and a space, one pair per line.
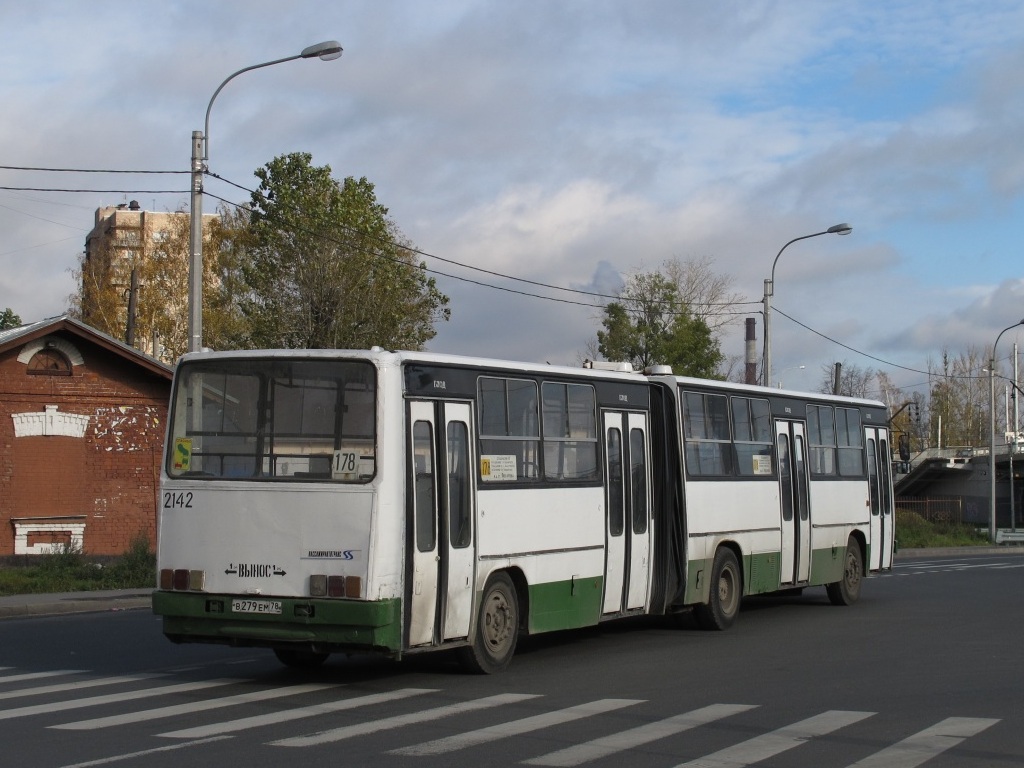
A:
158, 254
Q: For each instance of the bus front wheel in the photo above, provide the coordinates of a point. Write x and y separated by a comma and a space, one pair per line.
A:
846, 591
726, 592
497, 628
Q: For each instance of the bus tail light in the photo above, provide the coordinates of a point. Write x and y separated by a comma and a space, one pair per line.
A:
321, 585
182, 580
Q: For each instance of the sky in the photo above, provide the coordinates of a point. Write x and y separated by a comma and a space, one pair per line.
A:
566, 144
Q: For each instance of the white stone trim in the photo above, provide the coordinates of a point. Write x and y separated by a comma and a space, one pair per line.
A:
69, 350
50, 423
24, 527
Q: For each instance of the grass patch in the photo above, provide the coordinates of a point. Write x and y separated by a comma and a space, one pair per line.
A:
68, 570
914, 532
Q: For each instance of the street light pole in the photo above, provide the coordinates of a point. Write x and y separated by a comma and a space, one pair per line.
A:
769, 291
325, 51
992, 436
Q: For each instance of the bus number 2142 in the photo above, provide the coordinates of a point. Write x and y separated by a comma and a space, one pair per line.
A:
178, 500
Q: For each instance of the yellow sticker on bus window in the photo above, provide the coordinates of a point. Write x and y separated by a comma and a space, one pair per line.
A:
182, 453
498, 468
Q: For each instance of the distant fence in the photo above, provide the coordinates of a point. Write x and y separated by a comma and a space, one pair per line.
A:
936, 509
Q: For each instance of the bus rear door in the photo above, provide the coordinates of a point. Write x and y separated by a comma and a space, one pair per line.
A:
876, 443
442, 501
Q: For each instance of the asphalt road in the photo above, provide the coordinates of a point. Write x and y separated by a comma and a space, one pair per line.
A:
923, 671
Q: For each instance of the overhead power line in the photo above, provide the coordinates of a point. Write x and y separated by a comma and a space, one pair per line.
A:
81, 170
100, 191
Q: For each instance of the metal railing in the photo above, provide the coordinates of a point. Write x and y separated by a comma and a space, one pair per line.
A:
935, 509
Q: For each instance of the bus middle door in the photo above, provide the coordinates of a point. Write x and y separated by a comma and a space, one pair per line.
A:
795, 566
441, 493
627, 518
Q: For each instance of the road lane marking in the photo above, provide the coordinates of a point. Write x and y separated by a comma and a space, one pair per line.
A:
637, 737
194, 706
285, 716
389, 723
92, 701
923, 746
773, 743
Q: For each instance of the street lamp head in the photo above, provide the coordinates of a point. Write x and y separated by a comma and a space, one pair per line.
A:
839, 229
329, 50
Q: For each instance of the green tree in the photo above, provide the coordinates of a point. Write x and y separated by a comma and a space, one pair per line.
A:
650, 325
319, 264
8, 319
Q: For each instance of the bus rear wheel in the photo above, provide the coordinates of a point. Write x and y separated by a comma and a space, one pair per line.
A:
846, 591
300, 659
726, 593
497, 628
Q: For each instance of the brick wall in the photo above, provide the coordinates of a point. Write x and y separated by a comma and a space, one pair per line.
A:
108, 477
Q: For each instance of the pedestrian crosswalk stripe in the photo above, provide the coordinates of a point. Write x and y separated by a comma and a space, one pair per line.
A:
38, 675
361, 729
273, 718
916, 749
60, 706
194, 706
76, 685
637, 737
142, 753
773, 743
515, 728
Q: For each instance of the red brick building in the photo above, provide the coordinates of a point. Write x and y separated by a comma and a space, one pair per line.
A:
82, 419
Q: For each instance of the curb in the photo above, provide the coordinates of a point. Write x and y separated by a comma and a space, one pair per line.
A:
984, 549
84, 602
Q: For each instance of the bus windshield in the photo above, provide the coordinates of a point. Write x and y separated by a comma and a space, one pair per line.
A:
274, 419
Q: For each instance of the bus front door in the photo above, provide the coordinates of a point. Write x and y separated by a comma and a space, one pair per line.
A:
876, 443
627, 516
795, 565
441, 506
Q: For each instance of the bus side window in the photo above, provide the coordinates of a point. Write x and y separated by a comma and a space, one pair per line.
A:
638, 479
459, 518
616, 484
425, 495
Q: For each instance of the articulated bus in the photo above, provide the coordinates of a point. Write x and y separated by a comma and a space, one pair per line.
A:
320, 501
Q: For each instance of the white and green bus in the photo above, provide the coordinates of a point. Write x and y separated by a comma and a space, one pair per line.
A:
320, 501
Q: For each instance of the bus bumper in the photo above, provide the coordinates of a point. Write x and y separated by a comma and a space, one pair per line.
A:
320, 624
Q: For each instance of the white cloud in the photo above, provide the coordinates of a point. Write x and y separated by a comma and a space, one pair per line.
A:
566, 148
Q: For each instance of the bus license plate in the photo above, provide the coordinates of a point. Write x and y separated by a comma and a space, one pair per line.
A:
256, 606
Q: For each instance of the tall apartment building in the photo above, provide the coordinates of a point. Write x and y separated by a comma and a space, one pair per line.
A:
155, 244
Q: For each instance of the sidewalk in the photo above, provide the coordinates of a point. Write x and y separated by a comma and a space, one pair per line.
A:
135, 599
